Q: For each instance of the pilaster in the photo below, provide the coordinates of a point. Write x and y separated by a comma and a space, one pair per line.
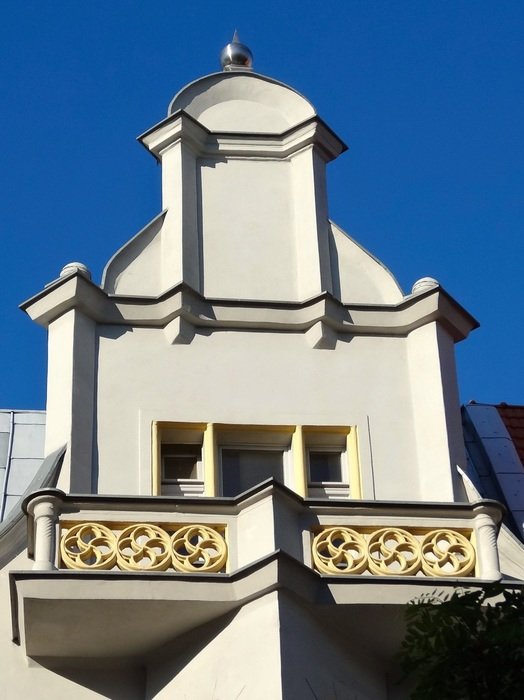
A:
71, 398
436, 413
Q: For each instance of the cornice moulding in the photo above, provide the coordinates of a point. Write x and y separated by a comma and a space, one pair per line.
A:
270, 489
182, 127
77, 292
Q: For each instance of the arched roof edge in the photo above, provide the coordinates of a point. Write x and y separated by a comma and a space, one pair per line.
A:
233, 74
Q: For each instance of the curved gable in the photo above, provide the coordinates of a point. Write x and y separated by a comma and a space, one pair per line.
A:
362, 279
244, 102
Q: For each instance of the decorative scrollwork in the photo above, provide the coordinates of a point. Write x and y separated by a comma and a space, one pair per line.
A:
198, 548
143, 547
339, 550
88, 546
393, 551
447, 553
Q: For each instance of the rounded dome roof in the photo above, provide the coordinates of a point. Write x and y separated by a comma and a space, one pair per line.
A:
243, 102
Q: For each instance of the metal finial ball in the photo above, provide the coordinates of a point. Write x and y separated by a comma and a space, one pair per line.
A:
236, 55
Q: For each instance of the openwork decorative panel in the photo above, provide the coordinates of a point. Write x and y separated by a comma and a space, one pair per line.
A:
188, 548
393, 551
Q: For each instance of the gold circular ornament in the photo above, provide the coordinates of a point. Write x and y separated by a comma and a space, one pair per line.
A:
198, 548
393, 552
88, 546
143, 547
447, 553
339, 550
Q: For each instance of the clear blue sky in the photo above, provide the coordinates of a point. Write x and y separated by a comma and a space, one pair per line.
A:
429, 96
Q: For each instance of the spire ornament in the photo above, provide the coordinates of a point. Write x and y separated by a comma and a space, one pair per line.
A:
236, 56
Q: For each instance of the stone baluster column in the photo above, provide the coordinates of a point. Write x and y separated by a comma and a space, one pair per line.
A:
44, 509
487, 551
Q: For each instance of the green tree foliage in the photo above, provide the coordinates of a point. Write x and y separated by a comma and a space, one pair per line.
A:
469, 646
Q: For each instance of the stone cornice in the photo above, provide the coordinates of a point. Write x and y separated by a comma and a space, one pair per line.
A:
182, 127
269, 489
40, 599
414, 311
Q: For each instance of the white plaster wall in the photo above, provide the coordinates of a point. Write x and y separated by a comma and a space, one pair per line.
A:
436, 411
71, 397
272, 648
244, 102
247, 229
180, 249
244, 114
318, 662
358, 277
59, 381
451, 399
254, 534
24, 678
309, 201
130, 269
242, 659
254, 377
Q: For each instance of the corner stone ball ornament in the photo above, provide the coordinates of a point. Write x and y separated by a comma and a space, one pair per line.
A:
339, 551
88, 546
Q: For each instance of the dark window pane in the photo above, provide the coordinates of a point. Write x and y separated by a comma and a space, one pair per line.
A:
180, 461
324, 466
243, 469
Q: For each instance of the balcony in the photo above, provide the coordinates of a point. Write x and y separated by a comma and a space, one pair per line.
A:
119, 576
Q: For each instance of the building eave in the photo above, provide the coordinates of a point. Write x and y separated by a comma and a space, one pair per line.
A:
414, 311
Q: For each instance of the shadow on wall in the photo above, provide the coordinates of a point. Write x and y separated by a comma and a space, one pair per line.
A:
108, 678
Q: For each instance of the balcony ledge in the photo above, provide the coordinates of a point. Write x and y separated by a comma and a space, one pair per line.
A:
114, 614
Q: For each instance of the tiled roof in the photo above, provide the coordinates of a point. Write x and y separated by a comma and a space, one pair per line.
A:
513, 418
494, 439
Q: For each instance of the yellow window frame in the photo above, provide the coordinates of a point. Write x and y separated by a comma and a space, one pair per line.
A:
300, 435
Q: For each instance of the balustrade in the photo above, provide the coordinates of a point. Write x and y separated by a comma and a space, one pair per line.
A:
160, 534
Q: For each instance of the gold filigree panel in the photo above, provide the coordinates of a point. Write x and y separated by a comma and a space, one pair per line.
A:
340, 549
447, 553
393, 551
144, 547
88, 546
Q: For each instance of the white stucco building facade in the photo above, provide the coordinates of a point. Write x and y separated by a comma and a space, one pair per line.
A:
241, 336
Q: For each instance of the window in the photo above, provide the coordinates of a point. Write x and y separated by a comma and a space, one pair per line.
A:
181, 468
250, 454
327, 473
179, 459
324, 466
245, 467
327, 461
228, 459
